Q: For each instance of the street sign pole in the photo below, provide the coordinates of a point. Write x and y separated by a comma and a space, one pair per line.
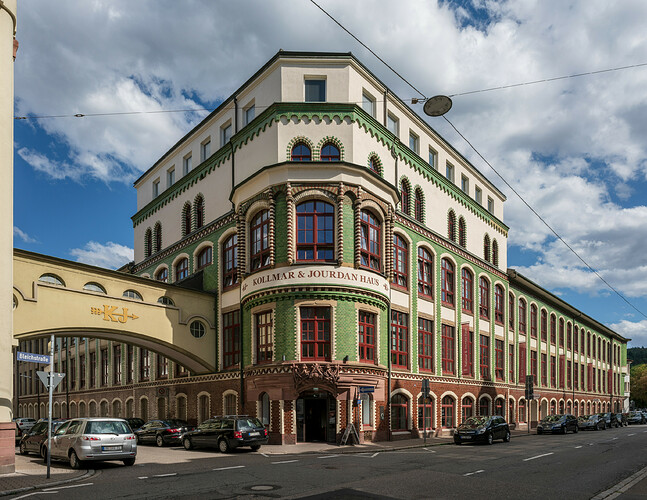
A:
51, 394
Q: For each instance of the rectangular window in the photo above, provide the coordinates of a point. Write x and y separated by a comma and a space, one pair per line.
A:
490, 205
478, 195
366, 337
368, 103
576, 371
156, 188
399, 339
116, 364
264, 337
448, 342
186, 165
130, 364
231, 339
93, 370
82, 372
553, 372
533, 365
484, 358
544, 370
104, 367
553, 330
393, 124
315, 333
73, 375
170, 177
568, 375
425, 344
225, 134
467, 350
315, 90
511, 363
449, 172
414, 142
144, 364
465, 184
433, 158
162, 366
522, 363
250, 114
205, 150
498, 359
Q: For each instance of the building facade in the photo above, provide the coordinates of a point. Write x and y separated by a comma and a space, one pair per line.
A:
350, 253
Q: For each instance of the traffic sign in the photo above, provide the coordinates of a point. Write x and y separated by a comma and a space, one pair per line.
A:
34, 358
45, 377
366, 389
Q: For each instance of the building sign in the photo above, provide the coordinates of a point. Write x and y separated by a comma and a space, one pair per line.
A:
315, 276
110, 313
33, 358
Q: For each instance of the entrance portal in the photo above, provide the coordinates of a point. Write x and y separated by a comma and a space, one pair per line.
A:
316, 417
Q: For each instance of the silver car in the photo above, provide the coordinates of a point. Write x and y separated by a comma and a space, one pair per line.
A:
94, 439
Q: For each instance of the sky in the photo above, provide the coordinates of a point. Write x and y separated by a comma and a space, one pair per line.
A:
574, 148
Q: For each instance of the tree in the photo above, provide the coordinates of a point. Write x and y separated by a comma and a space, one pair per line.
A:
639, 385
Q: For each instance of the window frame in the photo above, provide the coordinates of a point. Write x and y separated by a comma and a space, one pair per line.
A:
366, 332
448, 335
318, 327
230, 261
315, 218
399, 344
426, 345
263, 328
259, 238
484, 298
425, 273
231, 354
370, 237
400, 262
447, 282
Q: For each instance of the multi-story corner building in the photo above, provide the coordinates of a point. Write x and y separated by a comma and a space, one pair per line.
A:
349, 252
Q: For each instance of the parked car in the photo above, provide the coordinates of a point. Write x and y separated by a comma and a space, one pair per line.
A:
591, 422
558, 423
23, 425
227, 433
622, 419
134, 423
482, 429
609, 420
94, 439
636, 417
162, 432
35, 439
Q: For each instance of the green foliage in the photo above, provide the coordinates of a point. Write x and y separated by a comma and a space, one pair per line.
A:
639, 385
638, 355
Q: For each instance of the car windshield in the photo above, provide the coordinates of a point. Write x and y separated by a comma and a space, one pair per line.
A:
107, 427
176, 423
476, 421
588, 417
248, 424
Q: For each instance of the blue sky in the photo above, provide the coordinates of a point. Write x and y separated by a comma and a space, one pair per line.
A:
573, 148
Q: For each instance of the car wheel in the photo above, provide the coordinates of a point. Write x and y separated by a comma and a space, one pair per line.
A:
577, 429
223, 446
539, 431
506, 438
138, 439
457, 441
159, 440
490, 438
564, 430
43, 453
187, 444
255, 447
75, 463
23, 449
129, 462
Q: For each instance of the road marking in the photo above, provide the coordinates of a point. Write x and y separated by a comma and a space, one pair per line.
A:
538, 456
166, 475
475, 472
614, 439
264, 454
577, 447
67, 487
36, 493
329, 456
622, 486
633, 434
232, 467
142, 477
284, 462
375, 454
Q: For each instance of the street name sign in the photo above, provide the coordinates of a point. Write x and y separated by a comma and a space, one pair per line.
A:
34, 358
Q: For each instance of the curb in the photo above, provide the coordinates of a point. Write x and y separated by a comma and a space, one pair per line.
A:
89, 473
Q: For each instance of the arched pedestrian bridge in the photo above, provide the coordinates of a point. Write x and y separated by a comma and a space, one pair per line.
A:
69, 299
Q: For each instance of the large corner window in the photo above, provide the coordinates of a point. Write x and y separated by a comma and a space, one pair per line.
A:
370, 241
230, 261
315, 333
260, 241
231, 339
264, 337
367, 337
315, 231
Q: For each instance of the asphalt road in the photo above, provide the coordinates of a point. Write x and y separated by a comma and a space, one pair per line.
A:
549, 466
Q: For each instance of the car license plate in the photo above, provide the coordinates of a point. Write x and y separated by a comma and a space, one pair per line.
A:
254, 434
111, 448
466, 437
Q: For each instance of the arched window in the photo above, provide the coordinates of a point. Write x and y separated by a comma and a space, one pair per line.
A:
205, 257
522, 410
158, 237
486, 248
447, 412
370, 251
399, 412
484, 300
259, 247
484, 407
315, 231
301, 152
116, 408
167, 301
522, 316
511, 311
419, 203
162, 275
467, 297
553, 329
511, 410
495, 253
499, 407
230, 261
132, 294
462, 232
94, 287
148, 243
367, 414
404, 195
467, 407
265, 409
182, 269
425, 273
199, 212
329, 152
230, 405
186, 219
204, 407
374, 164
181, 407
52, 279
400, 261
451, 225
544, 325
553, 408
533, 321
447, 282
425, 413
498, 303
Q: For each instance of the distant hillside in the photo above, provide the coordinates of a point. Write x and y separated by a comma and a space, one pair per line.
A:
638, 355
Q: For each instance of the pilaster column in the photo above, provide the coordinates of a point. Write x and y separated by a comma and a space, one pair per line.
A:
340, 224
290, 222
357, 205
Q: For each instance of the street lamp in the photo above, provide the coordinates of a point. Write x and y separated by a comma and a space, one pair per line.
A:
437, 105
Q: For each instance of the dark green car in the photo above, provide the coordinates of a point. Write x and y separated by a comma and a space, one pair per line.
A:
482, 430
227, 433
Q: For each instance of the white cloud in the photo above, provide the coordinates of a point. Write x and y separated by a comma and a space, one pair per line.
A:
109, 255
636, 331
19, 233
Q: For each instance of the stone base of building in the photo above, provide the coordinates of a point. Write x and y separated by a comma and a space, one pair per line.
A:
7, 447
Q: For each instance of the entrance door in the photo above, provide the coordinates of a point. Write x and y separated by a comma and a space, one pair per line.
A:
316, 417
315, 420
